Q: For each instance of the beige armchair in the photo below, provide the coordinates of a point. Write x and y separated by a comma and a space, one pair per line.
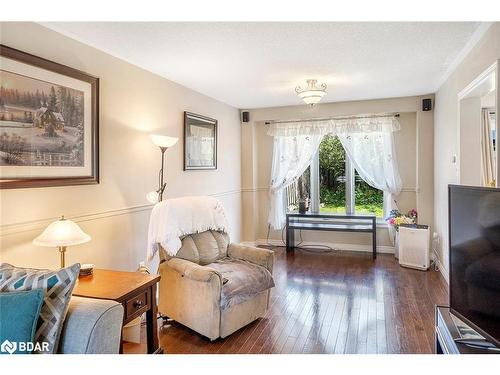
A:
214, 287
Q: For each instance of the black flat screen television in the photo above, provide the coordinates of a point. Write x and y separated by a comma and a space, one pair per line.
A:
474, 235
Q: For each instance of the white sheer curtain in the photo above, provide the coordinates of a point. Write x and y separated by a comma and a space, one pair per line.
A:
351, 125
291, 157
374, 158
368, 142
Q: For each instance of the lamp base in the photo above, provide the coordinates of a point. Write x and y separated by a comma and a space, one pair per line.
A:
62, 252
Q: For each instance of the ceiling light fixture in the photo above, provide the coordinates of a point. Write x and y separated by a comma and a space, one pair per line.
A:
311, 94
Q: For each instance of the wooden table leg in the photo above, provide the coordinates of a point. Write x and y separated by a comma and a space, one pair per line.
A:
120, 351
152, 324
374, 239
121, 343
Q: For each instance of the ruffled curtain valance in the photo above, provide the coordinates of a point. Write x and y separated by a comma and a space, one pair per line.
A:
340, 126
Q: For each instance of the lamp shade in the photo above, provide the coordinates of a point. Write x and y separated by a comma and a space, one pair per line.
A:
312, 94
163, 140
62, 232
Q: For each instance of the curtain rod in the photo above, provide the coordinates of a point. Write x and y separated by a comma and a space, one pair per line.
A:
332, 118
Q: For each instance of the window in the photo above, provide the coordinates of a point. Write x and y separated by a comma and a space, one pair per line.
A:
293, 192
340, 188
332, 176
369, 200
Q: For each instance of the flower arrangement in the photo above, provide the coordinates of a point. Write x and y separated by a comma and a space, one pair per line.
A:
396, 218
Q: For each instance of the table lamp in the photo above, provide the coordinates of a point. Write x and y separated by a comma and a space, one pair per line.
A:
62, 233
163, 142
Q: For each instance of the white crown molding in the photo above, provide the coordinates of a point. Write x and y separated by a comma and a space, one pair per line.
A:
52, 26
32, 225
475, 38
478, 80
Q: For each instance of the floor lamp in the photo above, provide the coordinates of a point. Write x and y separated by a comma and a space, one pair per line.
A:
164, 143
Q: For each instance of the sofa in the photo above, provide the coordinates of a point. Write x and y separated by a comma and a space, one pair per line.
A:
215, 287
92, 326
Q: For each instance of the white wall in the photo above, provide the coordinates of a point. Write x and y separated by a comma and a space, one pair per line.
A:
414, 147
470, 141
133, 104
446, 123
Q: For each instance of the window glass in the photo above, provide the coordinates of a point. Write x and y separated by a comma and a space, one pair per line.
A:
368, 200
299, 189
332, 185
332, 178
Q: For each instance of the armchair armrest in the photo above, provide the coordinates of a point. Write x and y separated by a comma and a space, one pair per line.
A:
192, 270
256, 255
92, 326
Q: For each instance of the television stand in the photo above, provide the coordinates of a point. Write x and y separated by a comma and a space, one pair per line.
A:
449, 341
478, 343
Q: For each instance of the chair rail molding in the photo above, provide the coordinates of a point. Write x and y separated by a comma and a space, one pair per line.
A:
32, 225
408, 189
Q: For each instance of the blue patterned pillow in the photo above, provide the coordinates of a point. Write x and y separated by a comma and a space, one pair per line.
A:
58, 286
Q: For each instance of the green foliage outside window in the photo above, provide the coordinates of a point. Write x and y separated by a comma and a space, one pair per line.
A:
368, 200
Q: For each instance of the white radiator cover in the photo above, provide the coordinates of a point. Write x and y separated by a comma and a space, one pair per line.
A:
414, 247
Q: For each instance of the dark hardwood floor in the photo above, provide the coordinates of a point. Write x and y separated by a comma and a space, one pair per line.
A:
340, 302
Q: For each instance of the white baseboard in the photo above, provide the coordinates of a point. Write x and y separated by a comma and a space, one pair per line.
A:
336, 246
444, 271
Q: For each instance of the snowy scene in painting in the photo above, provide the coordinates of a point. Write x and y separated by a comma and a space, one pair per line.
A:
41, 124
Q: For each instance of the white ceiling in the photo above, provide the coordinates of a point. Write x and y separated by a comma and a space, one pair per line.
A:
252, 65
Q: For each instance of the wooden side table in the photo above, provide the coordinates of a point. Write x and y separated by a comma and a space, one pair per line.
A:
136, 291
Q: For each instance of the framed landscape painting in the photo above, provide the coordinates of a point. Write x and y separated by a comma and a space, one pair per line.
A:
200, 142
48, 123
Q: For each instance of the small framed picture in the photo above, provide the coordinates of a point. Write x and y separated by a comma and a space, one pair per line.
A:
200, 142
49, 123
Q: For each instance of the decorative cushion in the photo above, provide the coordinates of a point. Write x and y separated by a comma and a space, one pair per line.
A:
204, 248
244, 280
58, 287
19, 312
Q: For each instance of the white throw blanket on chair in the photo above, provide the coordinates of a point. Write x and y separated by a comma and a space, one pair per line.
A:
174, 218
